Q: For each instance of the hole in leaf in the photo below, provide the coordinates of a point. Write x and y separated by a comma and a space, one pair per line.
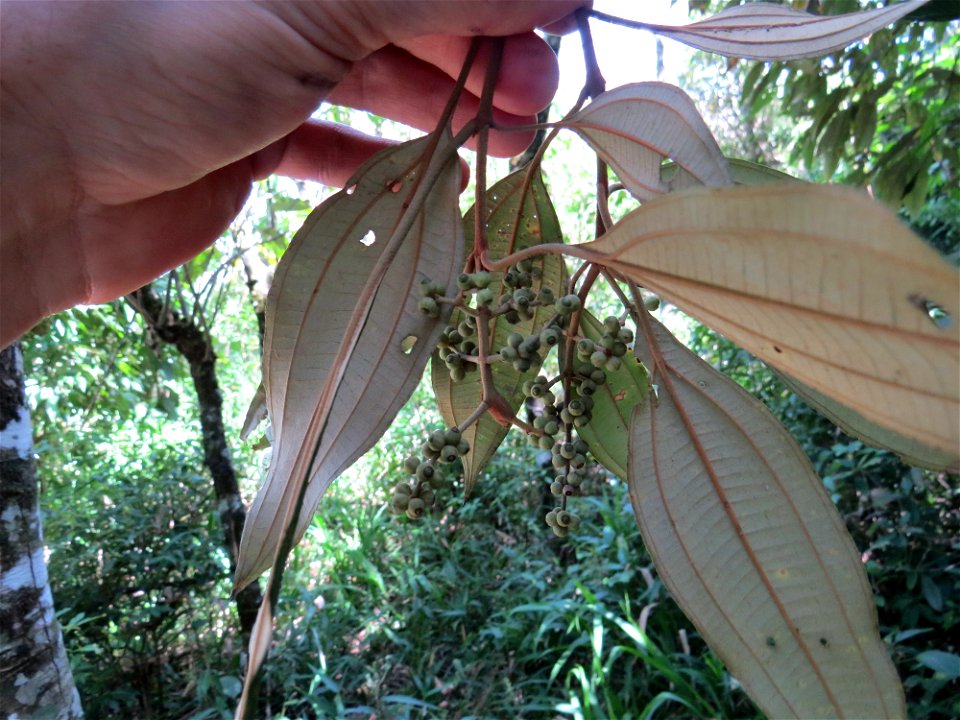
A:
369, 239
351, 189
394, 185
938, 316
408, 343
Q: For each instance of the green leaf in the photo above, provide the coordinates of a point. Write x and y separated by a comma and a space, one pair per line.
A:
743, 172
942, 663
820, 282
538, 224
931, 593
750, 544
613, 404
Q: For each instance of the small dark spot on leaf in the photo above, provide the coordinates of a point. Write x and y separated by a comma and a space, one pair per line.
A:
771, 642
776, 349
824, 642
408, 343
937, 314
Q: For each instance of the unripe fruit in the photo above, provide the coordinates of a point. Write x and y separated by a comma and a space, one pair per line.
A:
448, 454
598, 376
468, 347
457, 374
598, 359
485, 297
429, 307
465, 282
514, 340
585, 348
453, 360
410, 464
551, 518
587, 387
578, 461
619, 349
556, 488
508, 353
510, 278
437, 440
625, 335
453, 337
563, 518
415, 508
611, 324
551, 427
549, 398
574, 522
560, 531
400, 502
569, 490
566, 417
428, 452
651, 302
546, 296
463, 447
576, 407
427, 496
545, 443
582, 420
550, 336
464, 329
425, 472
581, 446
613, 364
574, 478
403, 489
522, 364
512, 317
482, 280
567, 450
451, 436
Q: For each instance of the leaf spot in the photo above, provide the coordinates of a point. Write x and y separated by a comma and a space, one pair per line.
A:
394, 185
824, 642
777, 349
938, 316
771, 642
408, 343
369, 239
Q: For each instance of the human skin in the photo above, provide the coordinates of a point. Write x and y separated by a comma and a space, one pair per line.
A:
130, 132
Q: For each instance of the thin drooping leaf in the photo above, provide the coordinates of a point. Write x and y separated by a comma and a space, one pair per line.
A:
853, 423
742, 172
634, 127
538, 224
314, 312
750, 545
613, 404
767, 31
820, 282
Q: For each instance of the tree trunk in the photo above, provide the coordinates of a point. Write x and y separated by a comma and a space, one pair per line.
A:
36, 677
195, 346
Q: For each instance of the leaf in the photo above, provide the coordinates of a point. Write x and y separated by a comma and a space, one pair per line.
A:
742, 172
457, 400
942, 663
750, 545
613, 403
931, 593
635, 126
255, 413
818, 281
334, 355
766, 31
853, 423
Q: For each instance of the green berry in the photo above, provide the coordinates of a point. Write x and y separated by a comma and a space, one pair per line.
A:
574, 522
416, 508
651, 302
574, 479
451, 436
569, 491
485, 297
508, 353
560, 531
464, 329
551, 427
598, 376
410, 464
556, 488
546, 296
563, 518
514, 340
457, 374
550, 336
482, 280
465, 282
429, 307
566, 417
427, 495
402, 489
400, 502
581, 420
625, 335
619, 349
581, 446
585, 348
448, 454
567, 450
436, 439
463, 447
551, 518
576, 407
545, 442
522, 364
587, 387
425, 472
611, 324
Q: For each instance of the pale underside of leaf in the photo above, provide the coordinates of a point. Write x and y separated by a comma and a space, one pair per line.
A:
312, 316
818, 281
256, 413
750, 546
538, 224
607, 433
635, 126
853, 423
766, 31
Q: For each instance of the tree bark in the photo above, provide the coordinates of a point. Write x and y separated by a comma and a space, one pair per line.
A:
36, 677
195, 346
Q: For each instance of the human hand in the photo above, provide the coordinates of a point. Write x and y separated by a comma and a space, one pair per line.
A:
132, 131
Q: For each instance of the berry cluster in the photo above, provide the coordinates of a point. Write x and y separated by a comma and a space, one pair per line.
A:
416, 496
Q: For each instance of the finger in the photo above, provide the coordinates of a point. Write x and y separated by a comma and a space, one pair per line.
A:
324, 152
385, 82
528, 77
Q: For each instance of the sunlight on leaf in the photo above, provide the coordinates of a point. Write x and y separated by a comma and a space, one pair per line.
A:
750, 545
634, 127
818, 281
742, 172
458, 399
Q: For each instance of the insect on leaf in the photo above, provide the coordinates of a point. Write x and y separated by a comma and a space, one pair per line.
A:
767, 31
750, 545
820, 282
537, 224
613, 404
344, 348
634, 127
